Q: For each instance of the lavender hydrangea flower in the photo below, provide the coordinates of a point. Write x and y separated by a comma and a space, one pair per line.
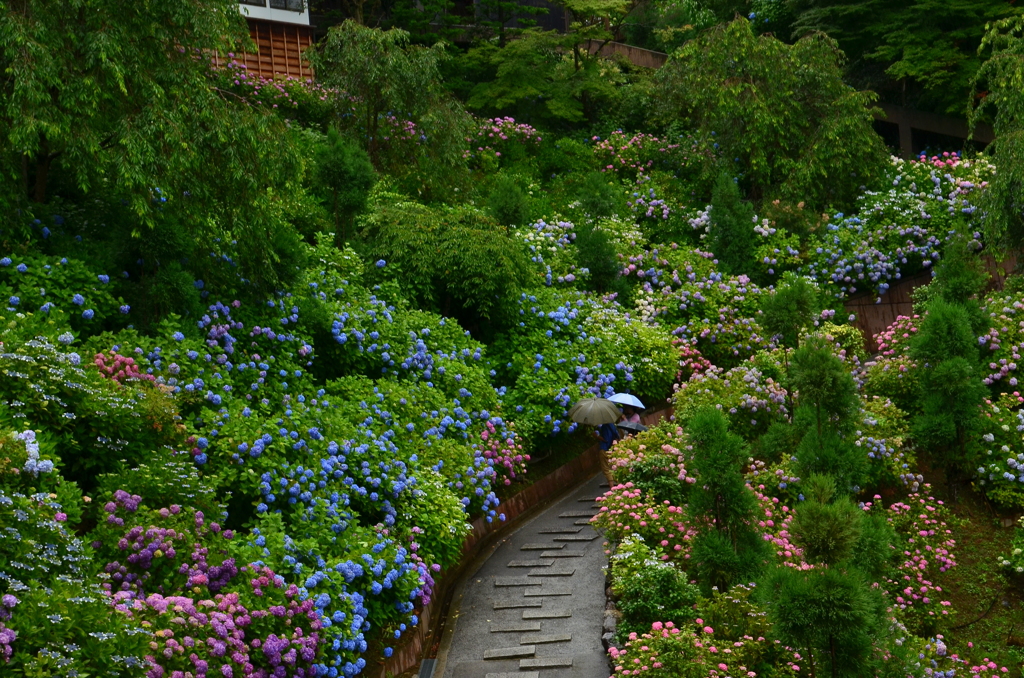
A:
66, 338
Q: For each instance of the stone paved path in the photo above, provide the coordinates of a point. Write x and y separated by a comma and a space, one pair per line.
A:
535, 608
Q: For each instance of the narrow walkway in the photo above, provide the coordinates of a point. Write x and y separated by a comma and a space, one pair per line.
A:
535, 608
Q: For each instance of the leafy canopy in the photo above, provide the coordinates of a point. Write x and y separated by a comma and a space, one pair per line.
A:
781, 111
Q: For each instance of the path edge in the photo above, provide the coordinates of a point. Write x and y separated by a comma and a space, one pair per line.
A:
482, 538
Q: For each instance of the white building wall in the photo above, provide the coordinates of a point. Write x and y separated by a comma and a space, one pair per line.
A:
280, 15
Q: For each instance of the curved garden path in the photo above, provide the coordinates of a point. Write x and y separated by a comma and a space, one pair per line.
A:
535, 607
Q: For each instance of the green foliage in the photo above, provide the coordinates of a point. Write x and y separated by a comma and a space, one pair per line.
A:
824, 386
783, 110
1000, 76
922, 53
496, 15
951, 389
649, 590
827, 530
451, 259
789, 309
344, 176
377, 76
62, 618
543, 66
728, 548
732, 227
92, 421
507, 202
830, 612
596, 253
598, 196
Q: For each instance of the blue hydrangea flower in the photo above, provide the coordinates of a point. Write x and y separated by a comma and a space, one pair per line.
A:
124, 309
14, 301
88, 314
104, 279
381, 263
22, 268
178, 336
6, 261
78, 300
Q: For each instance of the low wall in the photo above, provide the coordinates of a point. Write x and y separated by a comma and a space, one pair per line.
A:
874, 316
635, 55
422, 640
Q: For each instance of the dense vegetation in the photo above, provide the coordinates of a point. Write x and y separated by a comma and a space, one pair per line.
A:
267, 346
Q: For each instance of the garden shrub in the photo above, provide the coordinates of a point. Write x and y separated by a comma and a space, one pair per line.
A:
648, 589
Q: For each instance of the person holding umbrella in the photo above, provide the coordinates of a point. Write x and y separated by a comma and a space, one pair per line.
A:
631, 409
600, 413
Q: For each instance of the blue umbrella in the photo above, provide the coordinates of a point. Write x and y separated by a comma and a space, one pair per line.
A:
627, 399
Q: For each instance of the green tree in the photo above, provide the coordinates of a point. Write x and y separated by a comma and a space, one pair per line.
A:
732, 227
104, 97
786, 312
596, 253
832, 613
728, 548
507, 202
345, 175
951, 389
547, 68
453, 260
381, 83
920, 53
1001, 75
783, 111
496, 15
827, 409
826, 527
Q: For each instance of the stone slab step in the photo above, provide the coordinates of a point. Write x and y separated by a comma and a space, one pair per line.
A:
577, 537
551, 573
549, 638
546, 663
515, 604
575, 514
516, 627
548, 591
547, 614
513, 674
581, 522
515, 581
529, 563
562, 530
540, 547
510, 652
562, 554
585, 500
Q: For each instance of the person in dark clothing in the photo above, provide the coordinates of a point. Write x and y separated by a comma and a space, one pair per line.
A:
608, 433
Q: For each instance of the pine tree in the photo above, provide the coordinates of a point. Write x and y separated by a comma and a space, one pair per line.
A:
728, 548
732, 227
951, 389
827, 408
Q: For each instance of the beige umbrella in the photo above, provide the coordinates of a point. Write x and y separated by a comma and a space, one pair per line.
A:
594, 412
